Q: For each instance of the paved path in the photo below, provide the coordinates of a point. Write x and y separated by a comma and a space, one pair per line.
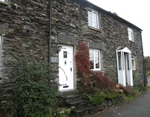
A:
140, 107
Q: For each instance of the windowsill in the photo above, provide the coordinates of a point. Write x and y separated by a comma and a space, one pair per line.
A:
3, 3
95, 69
96, 29
131, 41
98, 71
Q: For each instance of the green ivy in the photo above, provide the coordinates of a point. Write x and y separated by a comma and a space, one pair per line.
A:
32, 94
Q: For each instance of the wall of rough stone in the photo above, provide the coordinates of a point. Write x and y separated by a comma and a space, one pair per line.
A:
116, 35
70, 26
24, 25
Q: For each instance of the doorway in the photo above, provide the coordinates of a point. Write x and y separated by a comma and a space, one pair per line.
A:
66, 80
124, 66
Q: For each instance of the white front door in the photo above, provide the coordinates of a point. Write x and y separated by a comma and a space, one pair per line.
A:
127, 68
66, 80
124, 64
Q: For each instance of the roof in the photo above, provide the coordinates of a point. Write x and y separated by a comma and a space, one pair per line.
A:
124, 50
85, 2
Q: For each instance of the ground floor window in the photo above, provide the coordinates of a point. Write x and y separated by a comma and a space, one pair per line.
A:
133, 63
95, 59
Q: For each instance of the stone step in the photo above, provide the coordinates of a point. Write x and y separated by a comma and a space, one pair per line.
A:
68, 100
80, 112
73, 96
69, 93
76, 102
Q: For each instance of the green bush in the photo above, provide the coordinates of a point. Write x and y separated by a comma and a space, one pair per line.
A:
147, 72
32, 93
99, 97
140, 87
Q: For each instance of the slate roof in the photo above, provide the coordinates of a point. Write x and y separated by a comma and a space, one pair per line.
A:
114, 15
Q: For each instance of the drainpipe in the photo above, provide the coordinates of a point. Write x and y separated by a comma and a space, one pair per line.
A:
144, 64
49, 39
145, 77
49, 35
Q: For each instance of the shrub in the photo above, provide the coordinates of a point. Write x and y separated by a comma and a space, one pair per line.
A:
140, 86
32, 93
99, 97
127, 90
103, 82
83, 63
91, 81
97, 81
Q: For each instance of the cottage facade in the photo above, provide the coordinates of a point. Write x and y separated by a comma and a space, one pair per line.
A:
50, 31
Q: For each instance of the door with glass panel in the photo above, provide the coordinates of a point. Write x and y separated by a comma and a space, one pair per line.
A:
66, 79
124, 66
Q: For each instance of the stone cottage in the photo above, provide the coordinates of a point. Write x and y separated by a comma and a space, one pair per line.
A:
44, 31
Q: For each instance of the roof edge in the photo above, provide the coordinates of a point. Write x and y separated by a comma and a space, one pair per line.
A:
109, 13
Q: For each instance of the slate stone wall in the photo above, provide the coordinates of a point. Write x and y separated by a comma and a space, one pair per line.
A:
70, 26
24, 25
25, 28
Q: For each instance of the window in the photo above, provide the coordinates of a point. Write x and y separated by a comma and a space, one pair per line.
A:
93, 19
95, 59
2, 0
130, 34
119, 61
133, 63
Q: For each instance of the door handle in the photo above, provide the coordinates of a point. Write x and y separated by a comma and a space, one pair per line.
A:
70, 69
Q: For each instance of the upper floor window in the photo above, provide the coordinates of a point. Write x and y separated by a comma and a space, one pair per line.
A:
93, 20
130, 34
95, 59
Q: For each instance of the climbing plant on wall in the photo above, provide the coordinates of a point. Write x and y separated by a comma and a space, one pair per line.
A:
92, 81
82, 62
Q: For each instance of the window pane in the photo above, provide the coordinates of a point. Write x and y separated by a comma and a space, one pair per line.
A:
130, 37
128, 62
119, 60
92, 58
97, 60
94, 20
90, 18
133, 63
130, 34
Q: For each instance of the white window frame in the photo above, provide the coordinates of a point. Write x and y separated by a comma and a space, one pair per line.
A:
130, 34
133, 63
96, 69
92, 19
2, 0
